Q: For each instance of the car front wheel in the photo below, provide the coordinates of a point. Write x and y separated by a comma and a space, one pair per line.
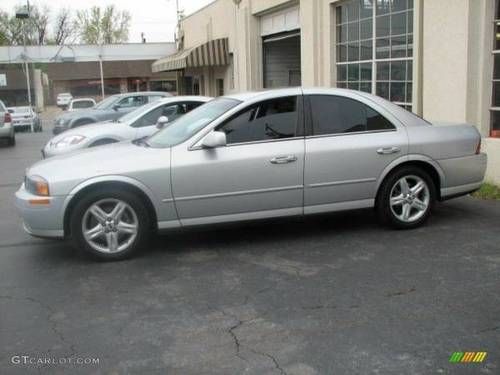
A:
110, 225
406, 198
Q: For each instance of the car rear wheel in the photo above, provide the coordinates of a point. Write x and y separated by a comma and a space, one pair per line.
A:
12, 140
110, 225
406, 198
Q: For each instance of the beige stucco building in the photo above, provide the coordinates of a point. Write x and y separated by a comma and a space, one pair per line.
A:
435, 57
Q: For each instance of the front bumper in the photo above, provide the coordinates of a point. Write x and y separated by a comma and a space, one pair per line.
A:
58, 129
41, 220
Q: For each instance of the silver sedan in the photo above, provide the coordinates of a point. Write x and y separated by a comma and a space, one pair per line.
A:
142, 122
252, 156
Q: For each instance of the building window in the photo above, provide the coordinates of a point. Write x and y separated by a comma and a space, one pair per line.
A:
495, 105
375, 48
220, 86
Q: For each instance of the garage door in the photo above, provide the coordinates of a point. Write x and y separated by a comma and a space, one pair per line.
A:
282, 60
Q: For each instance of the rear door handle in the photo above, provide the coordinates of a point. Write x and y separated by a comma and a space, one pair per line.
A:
283, 159
388, 150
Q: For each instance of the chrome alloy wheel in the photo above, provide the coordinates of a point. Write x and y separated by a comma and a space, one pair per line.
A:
110, 225
410, 198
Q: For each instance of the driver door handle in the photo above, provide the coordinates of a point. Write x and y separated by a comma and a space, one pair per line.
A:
283, 159
388, 150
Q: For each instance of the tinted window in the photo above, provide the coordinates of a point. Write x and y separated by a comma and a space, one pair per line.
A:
82, 104
335, 114
132, 101
270, 119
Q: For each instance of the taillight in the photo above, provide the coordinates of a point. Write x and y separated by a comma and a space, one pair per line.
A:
7, 117
478, 147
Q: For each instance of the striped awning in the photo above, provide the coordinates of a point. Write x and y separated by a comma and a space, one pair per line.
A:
212, 53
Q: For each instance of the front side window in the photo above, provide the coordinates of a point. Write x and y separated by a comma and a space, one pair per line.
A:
336, 115
374, 40
270, 119
132, 101
190, 124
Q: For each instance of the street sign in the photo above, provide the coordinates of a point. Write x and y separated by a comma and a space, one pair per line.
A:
3, 79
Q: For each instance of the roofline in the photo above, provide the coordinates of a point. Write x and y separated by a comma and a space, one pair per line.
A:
199, 10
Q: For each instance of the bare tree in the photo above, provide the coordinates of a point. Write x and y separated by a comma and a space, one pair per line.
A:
64, 26
34, 29
108, 25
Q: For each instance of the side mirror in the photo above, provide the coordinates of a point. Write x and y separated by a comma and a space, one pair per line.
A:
161, 122
214, 139
10, 110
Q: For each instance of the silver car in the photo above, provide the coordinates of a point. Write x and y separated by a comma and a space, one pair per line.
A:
25, 118
142, 122
252, 156
111, 108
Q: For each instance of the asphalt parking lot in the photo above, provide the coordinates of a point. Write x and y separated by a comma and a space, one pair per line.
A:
334, 294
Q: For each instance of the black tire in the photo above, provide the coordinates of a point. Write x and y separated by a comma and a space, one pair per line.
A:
143, 216
12, 141
383, 201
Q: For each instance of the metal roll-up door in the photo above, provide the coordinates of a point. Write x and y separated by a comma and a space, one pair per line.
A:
282, 60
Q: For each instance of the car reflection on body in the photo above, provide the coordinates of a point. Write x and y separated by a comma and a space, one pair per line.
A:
252, 156
142, 122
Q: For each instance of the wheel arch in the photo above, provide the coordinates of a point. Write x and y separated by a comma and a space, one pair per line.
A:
82, 121
421, 161
118, 182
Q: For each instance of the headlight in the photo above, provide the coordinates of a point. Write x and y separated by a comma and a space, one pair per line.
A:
69, 140
36, 185
61, 122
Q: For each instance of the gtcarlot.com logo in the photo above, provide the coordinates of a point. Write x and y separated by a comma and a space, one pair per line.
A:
468, 357
43, 361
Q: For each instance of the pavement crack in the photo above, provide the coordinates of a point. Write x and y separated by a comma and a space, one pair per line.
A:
489, 329
401, 292
272, 358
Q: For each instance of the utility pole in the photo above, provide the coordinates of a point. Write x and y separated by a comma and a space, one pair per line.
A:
100, 69
24, 15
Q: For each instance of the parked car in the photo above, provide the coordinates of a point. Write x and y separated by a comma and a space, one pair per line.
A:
141, 122
110, 108
63, 99
6, 128
82, 103
252, 156
25, 118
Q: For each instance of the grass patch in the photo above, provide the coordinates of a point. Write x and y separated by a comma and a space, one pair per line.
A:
488, 191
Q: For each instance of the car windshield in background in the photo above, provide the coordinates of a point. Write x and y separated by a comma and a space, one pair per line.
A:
107, 103
186, 126
136, 112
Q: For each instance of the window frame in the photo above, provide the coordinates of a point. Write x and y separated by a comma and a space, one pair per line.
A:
408, 81
309, 128
299, 127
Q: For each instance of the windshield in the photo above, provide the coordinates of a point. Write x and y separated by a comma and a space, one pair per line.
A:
107, 103
188, 125
137, 112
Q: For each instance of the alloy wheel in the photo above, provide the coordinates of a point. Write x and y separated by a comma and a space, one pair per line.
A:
110, 225
410, 198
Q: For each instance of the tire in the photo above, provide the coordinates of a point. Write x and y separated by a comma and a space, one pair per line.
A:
12, 141
110, 236
410, 205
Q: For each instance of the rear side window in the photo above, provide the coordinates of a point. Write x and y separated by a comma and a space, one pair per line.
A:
336, 115
266, 120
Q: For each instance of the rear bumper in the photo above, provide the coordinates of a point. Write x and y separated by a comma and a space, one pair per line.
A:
41, 220
462, 175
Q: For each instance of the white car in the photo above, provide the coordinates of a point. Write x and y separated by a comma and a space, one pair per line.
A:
83, 103
63, 99
25, 118
142, 122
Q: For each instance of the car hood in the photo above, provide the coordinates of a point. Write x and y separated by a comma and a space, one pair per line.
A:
80, 113
91, 131
123, 158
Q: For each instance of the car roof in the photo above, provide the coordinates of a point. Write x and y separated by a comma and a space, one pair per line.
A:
197, 98
147, 93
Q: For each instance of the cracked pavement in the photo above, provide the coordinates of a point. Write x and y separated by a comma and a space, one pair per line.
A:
332, 294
